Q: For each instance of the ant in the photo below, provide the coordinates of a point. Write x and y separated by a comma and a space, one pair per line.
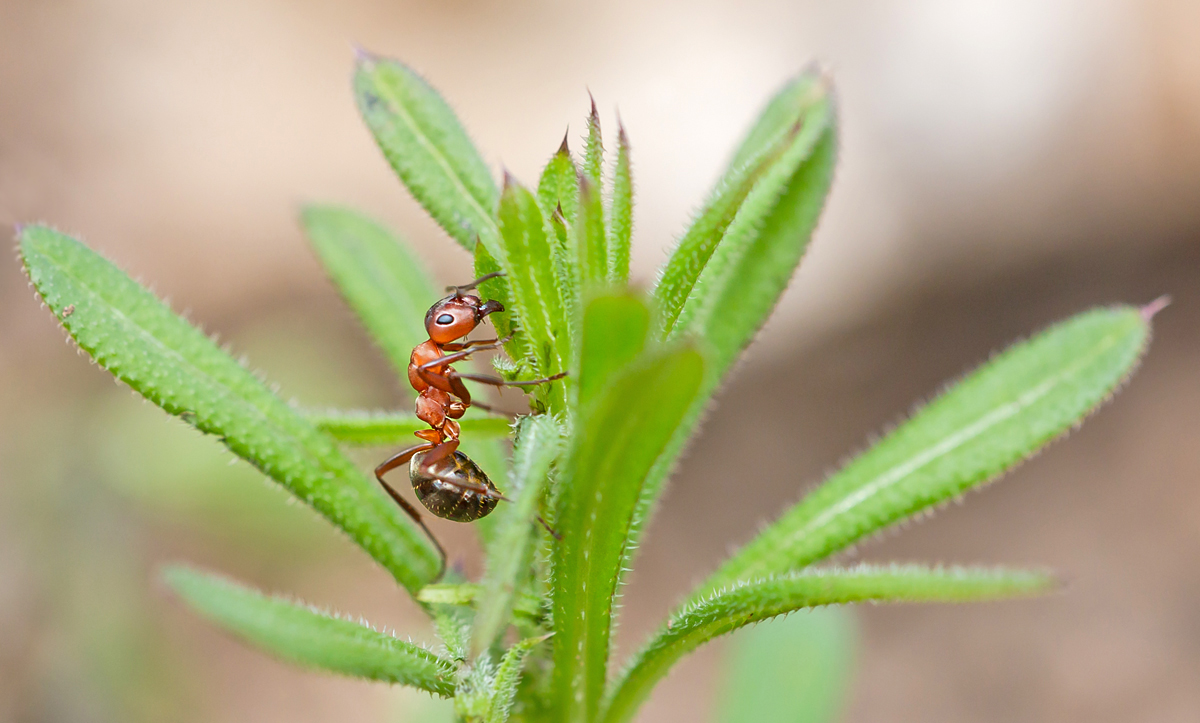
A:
447, 482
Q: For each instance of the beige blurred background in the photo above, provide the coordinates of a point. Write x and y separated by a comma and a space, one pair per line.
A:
1004, 163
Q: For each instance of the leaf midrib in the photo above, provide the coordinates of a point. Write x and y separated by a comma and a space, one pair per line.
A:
938, 451
441, 160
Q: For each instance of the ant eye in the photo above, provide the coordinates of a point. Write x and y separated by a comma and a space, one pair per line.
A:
445, 319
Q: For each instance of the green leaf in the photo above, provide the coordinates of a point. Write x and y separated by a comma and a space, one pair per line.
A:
731, 608
755, 260
617, 439
508, 678
678, 275
614, 335
593, 150
558, 196
302, 635
620, 225
129, 332
591, 251
510, 556
453, 626
500, 289
381, 279
980, 428
749, 270
558, 187
534, 286
387, 428
795, 669
785, 109
426, 145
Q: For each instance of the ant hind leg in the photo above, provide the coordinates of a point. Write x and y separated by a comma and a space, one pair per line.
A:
391, 463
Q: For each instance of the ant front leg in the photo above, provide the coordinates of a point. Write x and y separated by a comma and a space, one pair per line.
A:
397, 460
470, 286
477, 344
463, 353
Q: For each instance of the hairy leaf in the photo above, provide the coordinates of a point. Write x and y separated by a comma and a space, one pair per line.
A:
424, 142
591, 253
749, 271
679, 274
533, 285
751, 266
620, 224
617, 439
508, 678
731, 608
382, 280
129, 332
795, 669
981, 427
593, 150
558, 196
511, 553
302, 635
506, 323
558, 188
785, 109
387, 428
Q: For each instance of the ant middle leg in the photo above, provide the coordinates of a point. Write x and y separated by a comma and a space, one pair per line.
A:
498, 382
493, 410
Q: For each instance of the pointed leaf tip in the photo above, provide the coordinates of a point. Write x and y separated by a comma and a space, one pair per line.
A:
1149, 311
510, 181
564, 149
363, 56
593, 114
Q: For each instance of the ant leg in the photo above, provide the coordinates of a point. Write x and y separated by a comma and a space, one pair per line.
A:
493, 410
459, 355
471, 285
490, 343
498, 382
397, 460
436, 454
471, 487
549, 529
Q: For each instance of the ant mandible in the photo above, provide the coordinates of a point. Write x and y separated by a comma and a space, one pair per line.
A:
446, 481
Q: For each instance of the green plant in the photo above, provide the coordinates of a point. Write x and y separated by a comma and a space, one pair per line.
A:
531, 640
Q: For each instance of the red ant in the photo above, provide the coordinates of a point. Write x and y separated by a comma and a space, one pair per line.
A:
446, 481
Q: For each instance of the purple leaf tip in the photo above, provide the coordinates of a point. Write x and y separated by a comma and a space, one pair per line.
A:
1151, 309
564, 149
594, 114
362, 55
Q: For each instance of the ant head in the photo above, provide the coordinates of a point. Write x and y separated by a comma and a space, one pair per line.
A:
456, 316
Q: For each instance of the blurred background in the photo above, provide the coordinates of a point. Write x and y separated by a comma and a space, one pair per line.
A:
1004, 163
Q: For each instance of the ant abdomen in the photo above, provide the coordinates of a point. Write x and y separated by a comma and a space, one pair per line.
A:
445, 487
